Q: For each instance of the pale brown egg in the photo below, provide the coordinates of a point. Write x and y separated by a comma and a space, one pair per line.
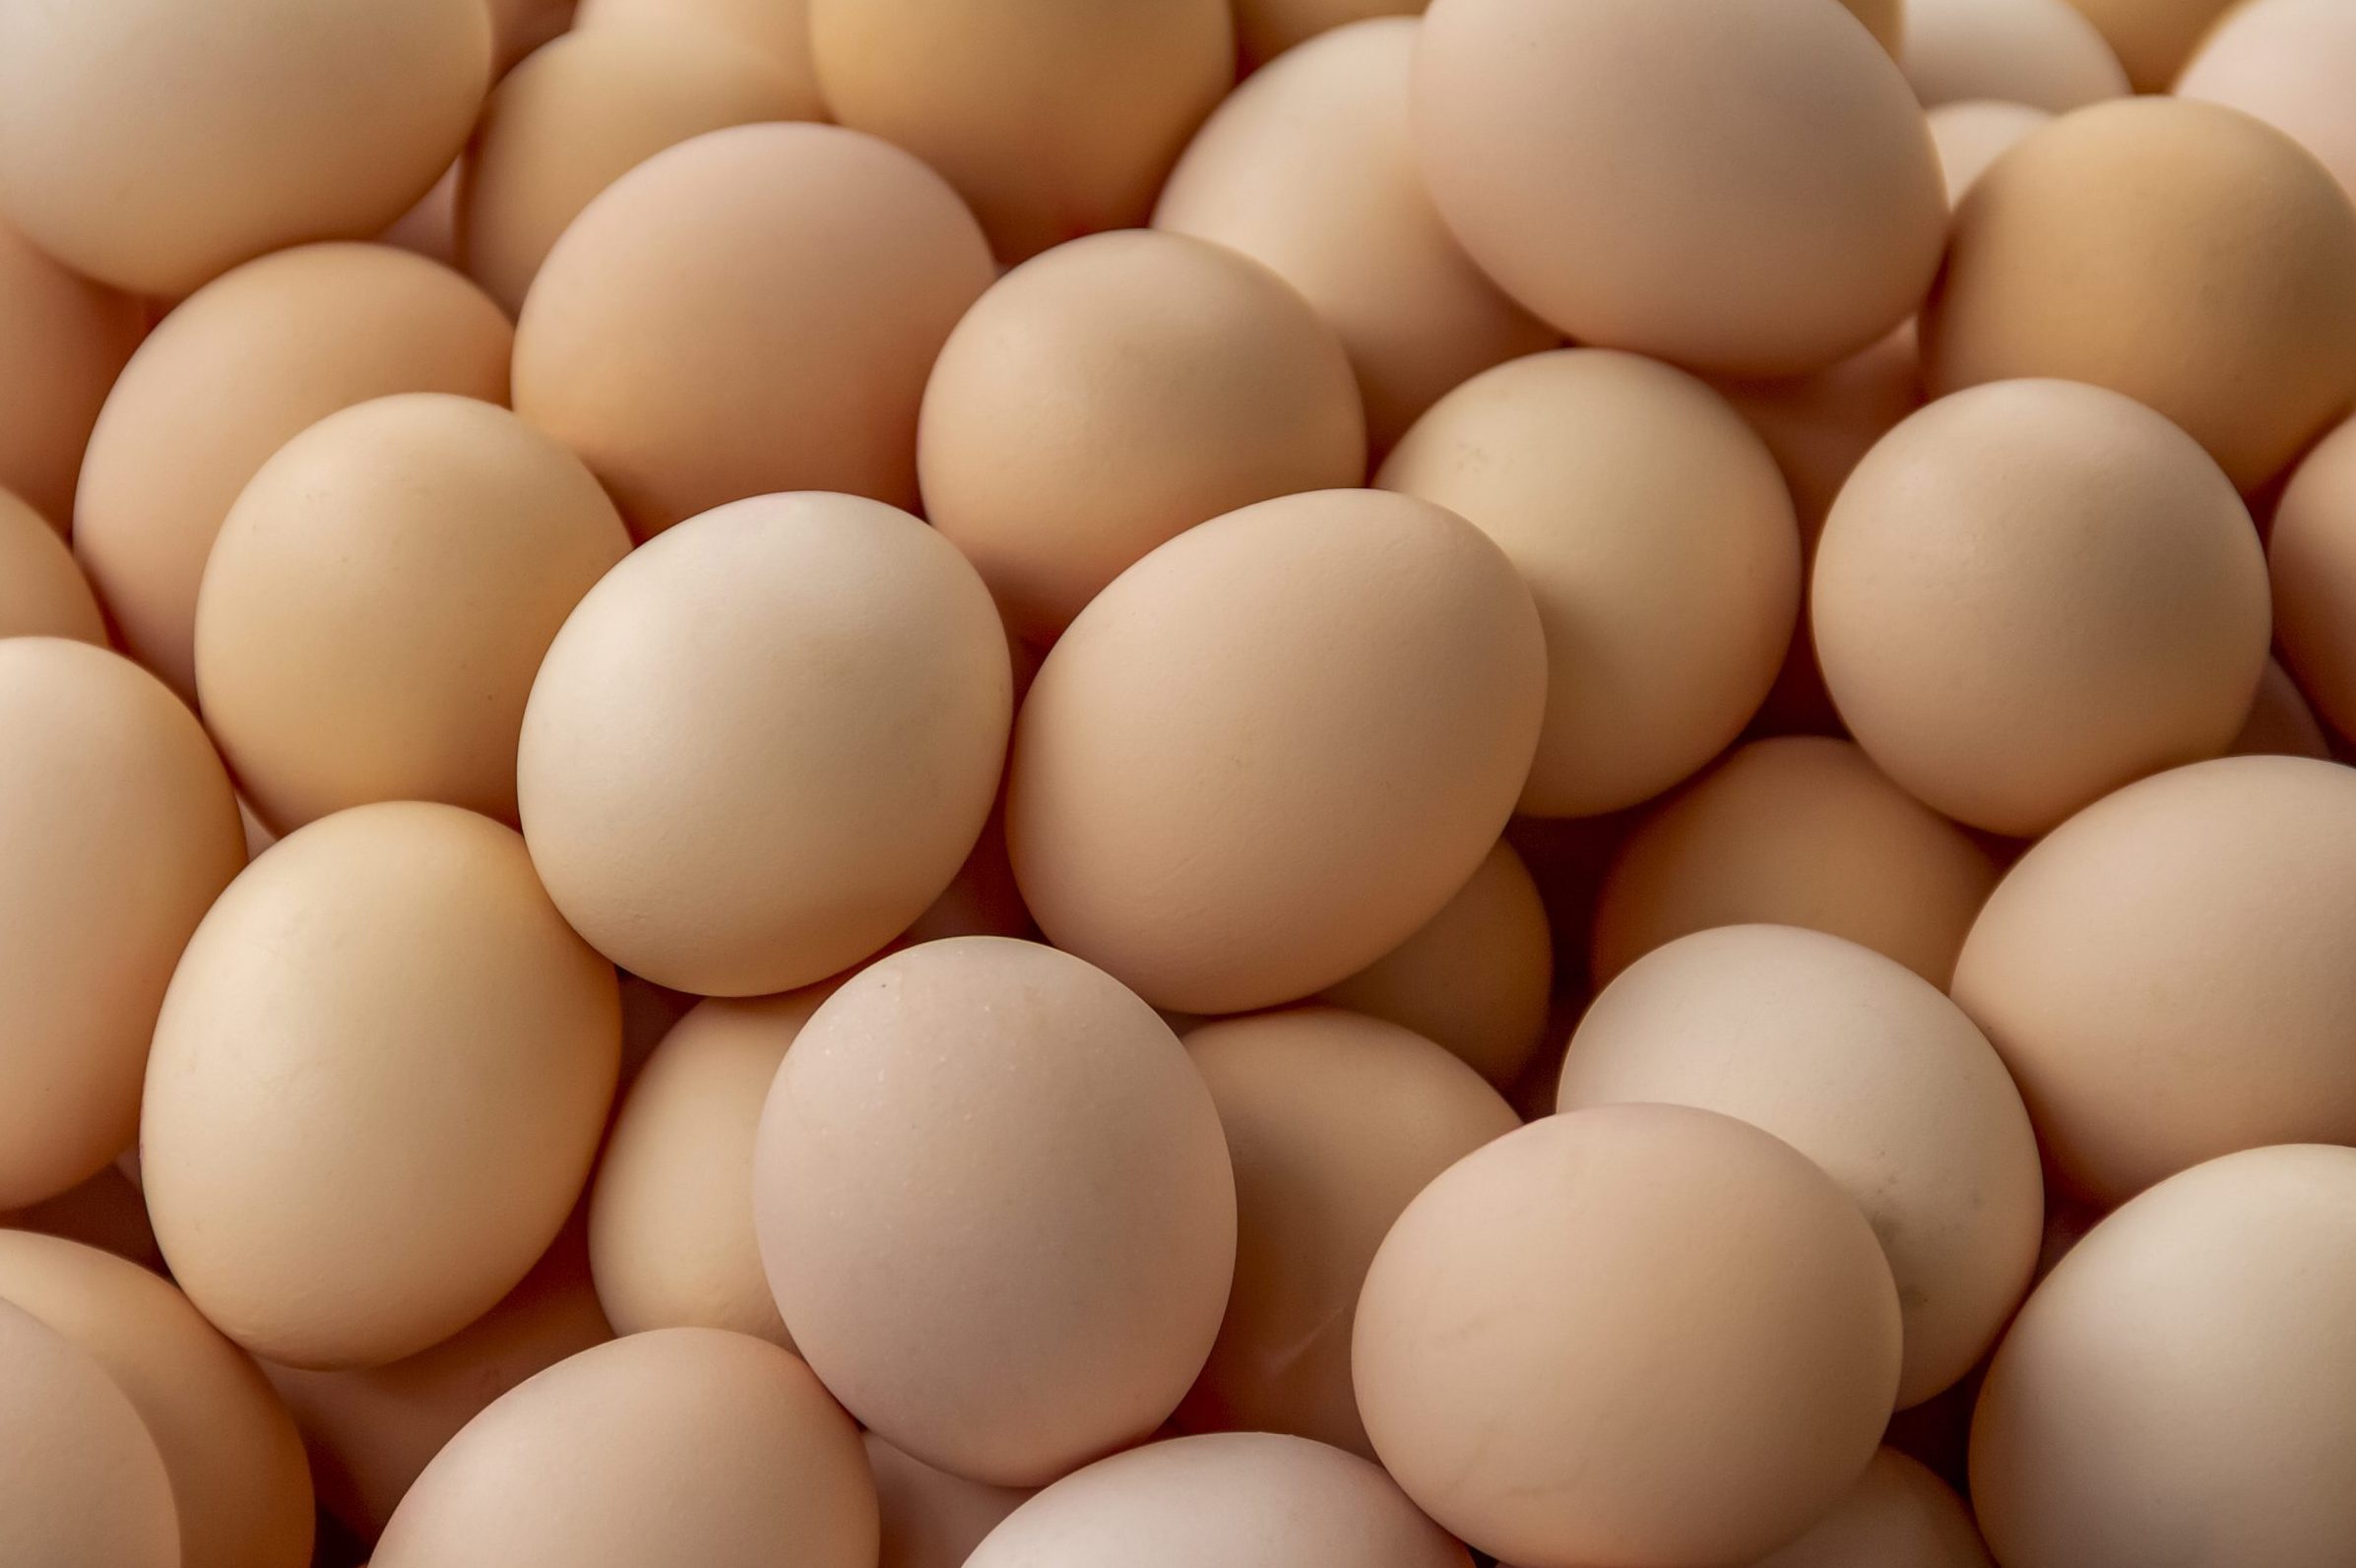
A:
2311, 557
2074, 248
2043, 53
2290, 63
751, 311
2178, 1389
765, 742
778, 29
2280, 724
63, 340
2152, 37
1054, 118
43, 592
1266, 28
1743, 187
235, 1461
931, 1518
376, 1087
1111, 393
156, 146
82, 1483
228, 378
2033, 592
1309, 168
1512, 1329
106, 1212
380, 598
1898, 1515
995, 1208
1972, 134
1378, 663
682, 1448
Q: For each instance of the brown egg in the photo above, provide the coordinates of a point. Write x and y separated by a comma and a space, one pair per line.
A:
2168, 974
1871, 1071
2043, 53
2030, 593
231, 1452
1514, 1323
1266, 28
2280, 724
2152, 37
1772, 197
228, 378
1972, 134
519, 26
2115, 218
1110, 394
586, 110
63, 340
106, 1212
1055, 118
1898, 1515
778, 29
995, 1208
156, 146
1885, 20
2312, 558
43, 592
931, 1518
1334, 1121
760, 749
376, 1087
1226, 1500
752, 310
1657, 537
1309, 168
682, 1448
1381, 664
2288, 62
2178, 1389
82, 1483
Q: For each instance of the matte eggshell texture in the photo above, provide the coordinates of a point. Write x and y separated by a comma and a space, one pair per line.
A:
2169, 975
2071, 251
156, 145
1773, 203
377, 1083
80, 1478
931, 1518
227, 379
1972, 135
682, 1448
995, 1208
1657, 537
2312, 558
765, 742
2178, 1388
751, 311
2152, 37
2288, 62
2280, 724
62, 340
778, 29
1110, 394
43, 592
1898, 1515
1513, 1370
1275, 748
2043, 53
1309, 168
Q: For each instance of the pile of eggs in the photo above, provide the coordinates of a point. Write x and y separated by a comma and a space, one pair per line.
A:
1177, 784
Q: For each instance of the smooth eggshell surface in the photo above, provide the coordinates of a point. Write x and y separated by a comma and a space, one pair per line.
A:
1972, 135
43, 592
2310, 555
2152, 37
80, 1478
1898, 1515
931, 1518
778, 29
63, 340
2042, 53
2289, 63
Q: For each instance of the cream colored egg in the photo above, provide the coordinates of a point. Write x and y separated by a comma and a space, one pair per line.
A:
43, 592
2311, 557
2288, 62
2280, 724
82, 1482
1972, 134
778, 29
1898, 1515
2152, 37
931, 1518
63, 340
2041, 53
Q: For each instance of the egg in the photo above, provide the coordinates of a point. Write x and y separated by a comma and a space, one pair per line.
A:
63, 340
2311, 557
981, 900
2152, 37
2032, 593
1898, 1515
995, 1208
1972, 135
155, 146
2178, 1387
106, 1212
2280, 724
2183, 254
765, 742
430, 227
1657, 537
1111, 393
1224, 1500
228, 378
1773, 200
682, 1448
1379, 662
931, 1518
519, 26
43, 592
1885, 20
1055, 118
1266, 28
230, 1449
2289, 63
2041, 53
1310, 168
376, 1087
778, 29
82, 1482
751, 311
1513, 1320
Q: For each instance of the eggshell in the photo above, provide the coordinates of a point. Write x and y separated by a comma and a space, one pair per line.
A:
106, 1212
995, 1209
1773, 200
430, 227
778, 29
155, 146
2280, 724
1226, 1500
1898, 1515
1885, 20
2126, 214
1266, 28
63, 340
80, 1478
380, 598
2311, 557
1309, 168
43, 592
682, 1448
228, 378
376, 1086
2180, 1385
1512, 1324
1334, 1120
2289, 62
931, 1518
1657, 537
2152, 37
519, 26
752, 310
1379, 662
1972, 135
759, 748
2033, 592
2043, 53
235, 1460
1110, 394
1055, 118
